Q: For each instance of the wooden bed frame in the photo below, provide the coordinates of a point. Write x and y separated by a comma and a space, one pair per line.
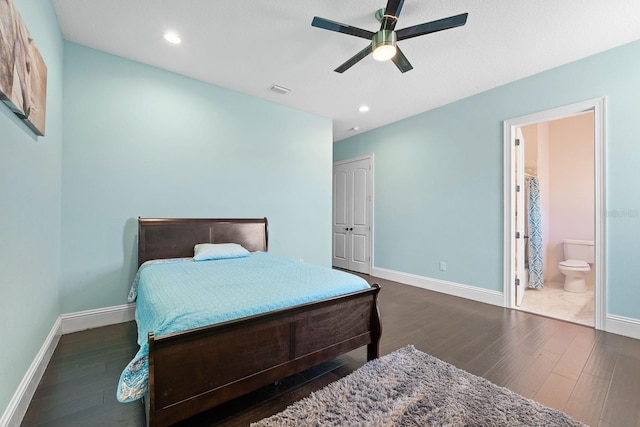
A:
195, 370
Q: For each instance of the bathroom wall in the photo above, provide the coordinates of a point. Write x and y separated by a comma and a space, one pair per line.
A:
536, 154
545, 188
571, 181
530, 134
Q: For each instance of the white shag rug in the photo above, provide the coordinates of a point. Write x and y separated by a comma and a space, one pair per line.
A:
411, 388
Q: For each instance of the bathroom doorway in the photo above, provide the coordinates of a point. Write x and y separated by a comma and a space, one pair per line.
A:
554, 192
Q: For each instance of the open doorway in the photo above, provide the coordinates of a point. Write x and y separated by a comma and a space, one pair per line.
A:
555, 202
559, 191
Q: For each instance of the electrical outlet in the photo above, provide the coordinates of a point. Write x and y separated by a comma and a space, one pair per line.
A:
443, 266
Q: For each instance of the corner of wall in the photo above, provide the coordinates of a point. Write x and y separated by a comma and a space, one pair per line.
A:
17, 408
64, 324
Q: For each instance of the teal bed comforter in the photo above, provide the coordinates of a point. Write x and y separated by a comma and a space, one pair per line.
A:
180, 294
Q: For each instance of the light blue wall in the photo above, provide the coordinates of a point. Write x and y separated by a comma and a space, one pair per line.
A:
140, 141
30, 214
439, 176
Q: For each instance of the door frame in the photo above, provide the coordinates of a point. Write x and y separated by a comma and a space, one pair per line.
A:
370, 181
597, 105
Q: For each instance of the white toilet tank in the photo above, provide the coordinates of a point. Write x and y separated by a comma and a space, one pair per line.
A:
582, 250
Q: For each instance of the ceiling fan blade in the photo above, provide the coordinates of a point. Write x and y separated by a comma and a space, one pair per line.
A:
401, 61
354, 59
432, 27
393, 7
341, 28
391, 13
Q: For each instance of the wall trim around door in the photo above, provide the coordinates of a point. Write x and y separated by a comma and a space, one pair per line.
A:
597, 105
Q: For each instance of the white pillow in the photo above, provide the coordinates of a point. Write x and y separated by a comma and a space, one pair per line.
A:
206, 251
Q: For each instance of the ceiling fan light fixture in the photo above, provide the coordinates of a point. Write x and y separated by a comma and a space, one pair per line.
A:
383, 45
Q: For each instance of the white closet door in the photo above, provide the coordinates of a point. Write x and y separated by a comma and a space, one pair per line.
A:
352, 215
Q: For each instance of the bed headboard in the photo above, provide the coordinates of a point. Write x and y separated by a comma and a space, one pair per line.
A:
160, 238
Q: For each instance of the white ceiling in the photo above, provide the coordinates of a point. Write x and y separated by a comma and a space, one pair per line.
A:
248, 45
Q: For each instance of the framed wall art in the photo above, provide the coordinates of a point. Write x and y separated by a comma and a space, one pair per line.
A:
23, 73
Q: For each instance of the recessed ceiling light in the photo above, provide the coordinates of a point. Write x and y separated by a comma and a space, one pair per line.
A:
363, 108
172, 37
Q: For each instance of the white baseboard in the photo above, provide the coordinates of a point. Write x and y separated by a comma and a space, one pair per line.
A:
619, 325
88, 319
622, 326
64, 324
19, 403
450, 288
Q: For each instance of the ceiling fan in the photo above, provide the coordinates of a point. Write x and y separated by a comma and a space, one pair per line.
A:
383, 43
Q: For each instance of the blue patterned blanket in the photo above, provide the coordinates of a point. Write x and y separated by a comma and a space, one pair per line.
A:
177, 295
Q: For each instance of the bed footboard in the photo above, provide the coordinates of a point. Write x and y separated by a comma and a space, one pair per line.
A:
196, 370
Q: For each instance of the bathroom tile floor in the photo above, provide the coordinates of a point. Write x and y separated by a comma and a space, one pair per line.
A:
554, 301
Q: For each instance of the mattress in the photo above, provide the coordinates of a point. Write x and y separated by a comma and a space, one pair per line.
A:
181, 294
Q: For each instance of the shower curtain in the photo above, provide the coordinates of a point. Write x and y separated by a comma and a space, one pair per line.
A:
535, 234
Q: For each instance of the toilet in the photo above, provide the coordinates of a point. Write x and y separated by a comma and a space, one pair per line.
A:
578, 255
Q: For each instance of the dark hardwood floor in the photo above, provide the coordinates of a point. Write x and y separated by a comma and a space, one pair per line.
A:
591, 375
